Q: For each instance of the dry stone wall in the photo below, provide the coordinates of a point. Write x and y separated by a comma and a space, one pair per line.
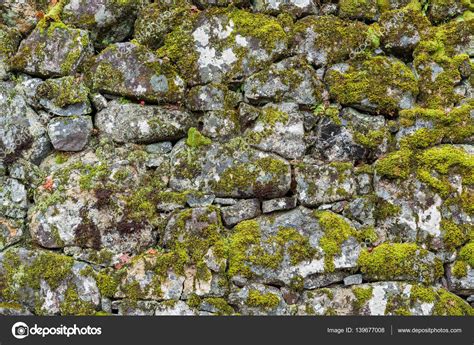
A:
223, 157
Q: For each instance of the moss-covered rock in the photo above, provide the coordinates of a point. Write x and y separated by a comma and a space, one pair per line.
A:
47, 283
461, 272
232, 169
108, 21
442, 10
133, 71
383, 298
322, 184
66, 96
129, 122
348, 135
23, 134
290, 80
326, 40
90, 201
400, 261
378, 84
157, 20
52, 51
224, 44
9, 41
292, 7
402, 30
297, 245
439, 61
22, 15
279, 129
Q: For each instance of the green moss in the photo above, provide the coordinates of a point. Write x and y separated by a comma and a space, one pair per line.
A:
386, 210
440, 49
372, 139
460, 269
54, 269
261, 300
194, 301
409, 21
358, 9
454, 235
9, 41
329, 111
63, 92
399, 261
370, 80
335, 36
449, 304
248, 247
262, 27
91, 173
247, 175
107, 283
177, 45
442, 161
422, 294
396, 165
191, 244
196, 139
445, 303
336, 232
74, 305
60, 158
362, 295
223, 308
268, 119
467, 254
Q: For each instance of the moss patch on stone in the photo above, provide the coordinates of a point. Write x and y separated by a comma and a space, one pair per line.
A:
391, 261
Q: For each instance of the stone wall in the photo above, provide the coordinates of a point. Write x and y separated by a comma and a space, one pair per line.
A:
221, 157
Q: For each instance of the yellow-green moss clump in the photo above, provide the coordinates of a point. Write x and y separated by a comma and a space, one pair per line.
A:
453, 126
196, 139
464, 260
221, 305
362, 295
431, 166
247, 248
400, 261
261, 300
368, 81
336, 231
455, 235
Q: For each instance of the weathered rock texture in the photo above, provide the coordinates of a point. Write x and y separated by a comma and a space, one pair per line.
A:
236, 157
